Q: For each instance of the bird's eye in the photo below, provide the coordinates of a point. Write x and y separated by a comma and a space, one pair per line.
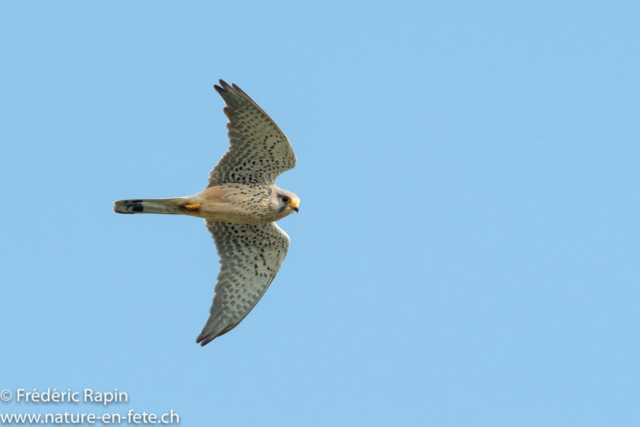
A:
285, 199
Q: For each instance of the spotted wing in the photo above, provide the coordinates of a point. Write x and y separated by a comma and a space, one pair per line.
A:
250, 257
258, 150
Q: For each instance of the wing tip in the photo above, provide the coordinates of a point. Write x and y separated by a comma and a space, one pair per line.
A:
204, 339
209, 333
225, 88
222, 86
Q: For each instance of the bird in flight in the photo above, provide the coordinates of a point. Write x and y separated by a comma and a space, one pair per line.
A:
240, 206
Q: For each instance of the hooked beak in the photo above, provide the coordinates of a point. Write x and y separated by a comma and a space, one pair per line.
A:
294, 206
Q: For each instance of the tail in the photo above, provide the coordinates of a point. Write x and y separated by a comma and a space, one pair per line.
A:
155, 206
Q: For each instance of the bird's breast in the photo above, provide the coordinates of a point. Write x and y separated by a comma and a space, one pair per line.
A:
235, 203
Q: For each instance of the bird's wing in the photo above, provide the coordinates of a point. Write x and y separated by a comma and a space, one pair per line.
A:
250, 257
258, 150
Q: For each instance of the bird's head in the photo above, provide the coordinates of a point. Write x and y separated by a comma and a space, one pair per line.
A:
287, 202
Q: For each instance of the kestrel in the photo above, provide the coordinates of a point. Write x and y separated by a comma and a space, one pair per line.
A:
240, 206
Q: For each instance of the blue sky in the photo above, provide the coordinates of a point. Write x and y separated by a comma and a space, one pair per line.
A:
467, 248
